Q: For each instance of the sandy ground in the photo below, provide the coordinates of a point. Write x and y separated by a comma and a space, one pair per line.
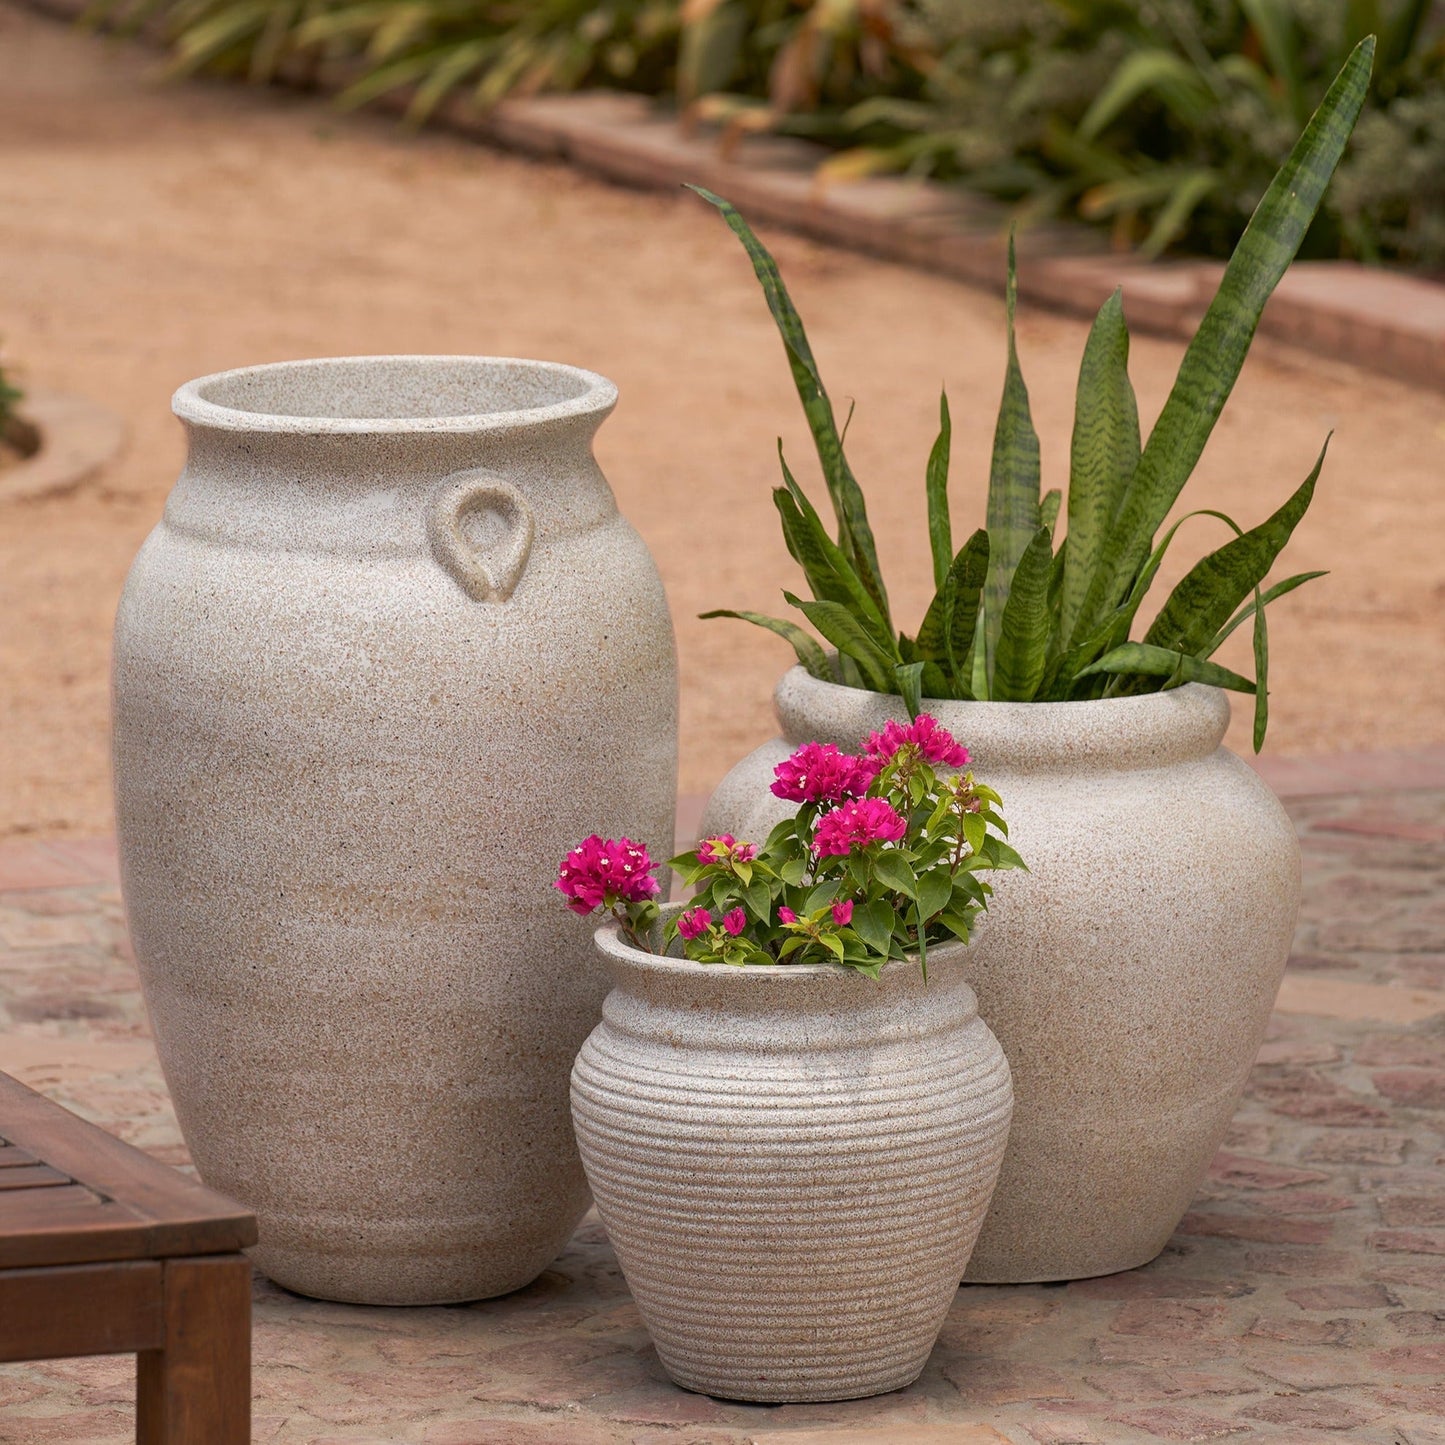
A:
150, 233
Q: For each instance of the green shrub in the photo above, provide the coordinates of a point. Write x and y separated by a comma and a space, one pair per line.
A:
1161, 120
1164, 120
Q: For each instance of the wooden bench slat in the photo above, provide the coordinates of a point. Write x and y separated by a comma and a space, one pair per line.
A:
154, 1211
33, 1176
12, 1156
68, 1224
92, 1309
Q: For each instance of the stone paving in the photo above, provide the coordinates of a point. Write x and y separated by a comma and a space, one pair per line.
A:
1302, 1298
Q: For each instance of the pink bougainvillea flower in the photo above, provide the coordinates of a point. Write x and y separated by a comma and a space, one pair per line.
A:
820, 773
725, 849
694, 922
843, 912
735, 921
856, 824
786, 915
934, 743
600, 872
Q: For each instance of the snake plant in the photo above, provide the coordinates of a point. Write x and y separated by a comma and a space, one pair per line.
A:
1019, 614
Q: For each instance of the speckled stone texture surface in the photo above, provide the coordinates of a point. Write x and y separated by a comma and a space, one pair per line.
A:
371, 683
1128, 975
1298, 1302
792, 1163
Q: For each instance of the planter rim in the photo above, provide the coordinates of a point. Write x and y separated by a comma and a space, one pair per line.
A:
739, 1008
215, 402
1147, 731
611, 945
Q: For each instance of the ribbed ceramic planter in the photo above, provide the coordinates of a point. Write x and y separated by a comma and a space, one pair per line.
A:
792, 1163
370, 686
1129, 975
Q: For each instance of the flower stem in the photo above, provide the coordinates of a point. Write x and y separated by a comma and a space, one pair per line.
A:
629, 932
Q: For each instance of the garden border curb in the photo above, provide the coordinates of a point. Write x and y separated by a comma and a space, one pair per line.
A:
1389, 321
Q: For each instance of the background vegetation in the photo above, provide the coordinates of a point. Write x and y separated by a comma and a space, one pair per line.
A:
10, 397
1161, 120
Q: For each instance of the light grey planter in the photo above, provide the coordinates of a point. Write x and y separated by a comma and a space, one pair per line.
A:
792, 1163
376, 670
1129, 975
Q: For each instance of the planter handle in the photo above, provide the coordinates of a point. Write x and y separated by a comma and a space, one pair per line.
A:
487, 571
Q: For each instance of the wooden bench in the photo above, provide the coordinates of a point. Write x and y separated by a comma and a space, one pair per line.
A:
104, 1251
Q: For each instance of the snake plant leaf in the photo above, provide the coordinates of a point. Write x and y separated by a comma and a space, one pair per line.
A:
1104, 452
1056, 596
940, 530
1212, 362
1139, 658
1261, 673
816, 550
963, 606
1013, 483
935, 682
1059, 683
818, 572
965, 578
809, 653
909, 676
855, 536
848, 635
1206, 598
1049, 508
975, 665
1247, 611
1114, 631
1023, 637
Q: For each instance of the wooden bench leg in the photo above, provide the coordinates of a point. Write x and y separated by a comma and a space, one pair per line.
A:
196, 1389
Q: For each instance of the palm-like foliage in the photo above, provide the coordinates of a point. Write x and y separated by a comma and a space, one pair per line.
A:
1019, 616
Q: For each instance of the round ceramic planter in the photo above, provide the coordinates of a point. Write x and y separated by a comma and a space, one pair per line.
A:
792, 1163
369, 689
1129, 975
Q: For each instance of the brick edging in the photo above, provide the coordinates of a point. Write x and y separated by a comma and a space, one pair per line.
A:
1389, 321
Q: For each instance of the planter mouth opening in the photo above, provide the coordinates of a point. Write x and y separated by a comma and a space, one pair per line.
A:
1149, 730
612, 945
378, 395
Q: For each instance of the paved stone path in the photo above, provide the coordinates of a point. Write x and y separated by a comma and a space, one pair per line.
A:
1302, 1299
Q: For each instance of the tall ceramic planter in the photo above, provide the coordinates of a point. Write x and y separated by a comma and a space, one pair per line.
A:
792, 1163
378, 667
1129, 975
